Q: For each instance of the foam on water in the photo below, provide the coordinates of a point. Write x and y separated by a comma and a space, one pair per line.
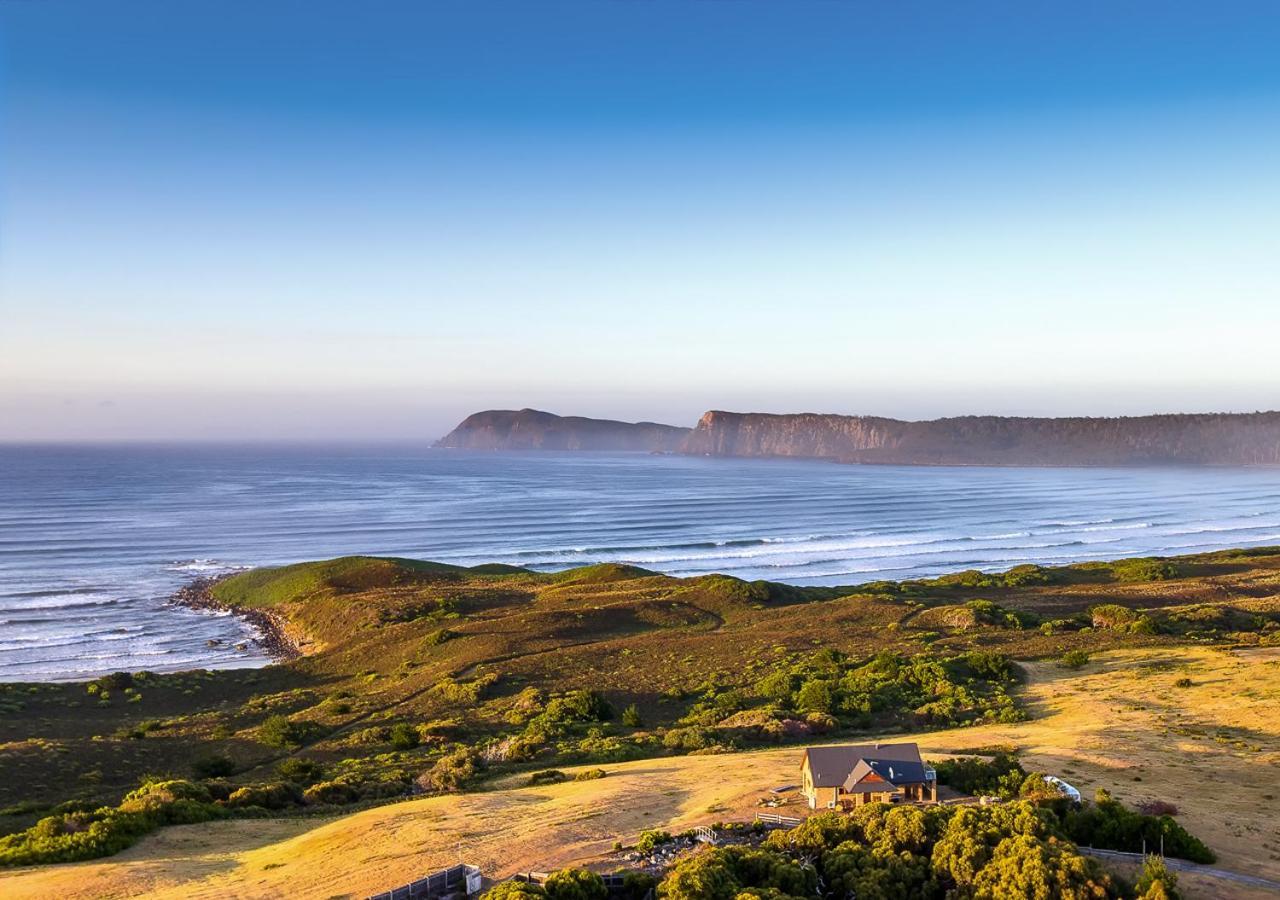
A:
94, 539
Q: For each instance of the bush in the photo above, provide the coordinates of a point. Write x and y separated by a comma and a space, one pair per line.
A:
215, 765
438, 637
300, 770
815, 696
1028, 574
450, 773
1115, 617
1074, 659
989, 665
652, 839
278, 731
76, 834
334, 792
575, 884
590, 775
547, 776
726, 873
514, 890
689, 739
631, 717
1000, 776
404, 737
1107, 824
1156, 882
1143, 569
276, 795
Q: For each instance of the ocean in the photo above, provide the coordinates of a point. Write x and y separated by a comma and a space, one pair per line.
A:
94, 539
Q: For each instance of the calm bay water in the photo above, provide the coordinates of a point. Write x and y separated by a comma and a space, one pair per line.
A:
94, 539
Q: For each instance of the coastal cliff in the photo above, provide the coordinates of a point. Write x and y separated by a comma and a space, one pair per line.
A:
1227, 439
531, 429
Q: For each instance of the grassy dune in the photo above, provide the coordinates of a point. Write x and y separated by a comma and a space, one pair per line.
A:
1212, 748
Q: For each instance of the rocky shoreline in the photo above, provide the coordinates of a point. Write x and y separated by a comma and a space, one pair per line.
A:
273, 638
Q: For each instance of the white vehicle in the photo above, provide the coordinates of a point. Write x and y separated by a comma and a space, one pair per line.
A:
1067, 790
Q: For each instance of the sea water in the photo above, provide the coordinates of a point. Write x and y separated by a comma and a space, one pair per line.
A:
94, 539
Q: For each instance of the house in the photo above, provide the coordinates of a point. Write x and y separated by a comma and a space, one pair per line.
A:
857, 774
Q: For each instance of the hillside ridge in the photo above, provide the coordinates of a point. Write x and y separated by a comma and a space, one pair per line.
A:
1241, 439
1201, 439
533, 429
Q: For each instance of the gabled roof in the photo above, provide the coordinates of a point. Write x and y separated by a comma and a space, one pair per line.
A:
844, 766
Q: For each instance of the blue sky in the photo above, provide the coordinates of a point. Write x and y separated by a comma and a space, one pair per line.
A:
364, 220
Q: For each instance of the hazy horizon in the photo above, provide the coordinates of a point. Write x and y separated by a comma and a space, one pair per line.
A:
323, 222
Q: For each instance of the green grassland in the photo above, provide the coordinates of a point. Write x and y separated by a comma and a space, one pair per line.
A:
422, 677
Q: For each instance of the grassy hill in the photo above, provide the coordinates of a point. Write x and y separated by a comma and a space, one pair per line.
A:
1120, 723
421, 677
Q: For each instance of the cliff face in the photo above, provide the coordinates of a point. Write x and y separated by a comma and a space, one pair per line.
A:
1209, 439
531, 429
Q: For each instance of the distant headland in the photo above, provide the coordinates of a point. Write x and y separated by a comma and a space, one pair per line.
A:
1205, 439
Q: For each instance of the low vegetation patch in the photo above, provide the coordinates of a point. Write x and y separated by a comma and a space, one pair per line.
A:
429, 678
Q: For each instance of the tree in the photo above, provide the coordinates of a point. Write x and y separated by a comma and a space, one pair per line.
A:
852, 870
514, 890
631, 717
815, 696
726, 872
575, 884
278, 731
1026, 868
1156, 882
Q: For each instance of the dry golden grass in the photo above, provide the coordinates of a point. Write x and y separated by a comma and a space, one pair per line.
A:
1212, 748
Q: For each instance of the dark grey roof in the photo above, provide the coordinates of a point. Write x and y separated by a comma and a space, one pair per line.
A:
834, 766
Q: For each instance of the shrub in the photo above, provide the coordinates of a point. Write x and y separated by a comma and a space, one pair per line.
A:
547, 776
1157, 808
636, 885
989, 665
1074, 659
1002, 775
334, 792
514, 890
590, 775
75, 834
300, 770
278, 731
403, 736
276, 795
815, 696
652, 839
575, 884
1156, 882
1028, 574
1183, 682
215, 765
1107, 824
726, 873
438, 637
631, 717
466, 693
1115, 617
1143, 569
689, 739
450, 773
